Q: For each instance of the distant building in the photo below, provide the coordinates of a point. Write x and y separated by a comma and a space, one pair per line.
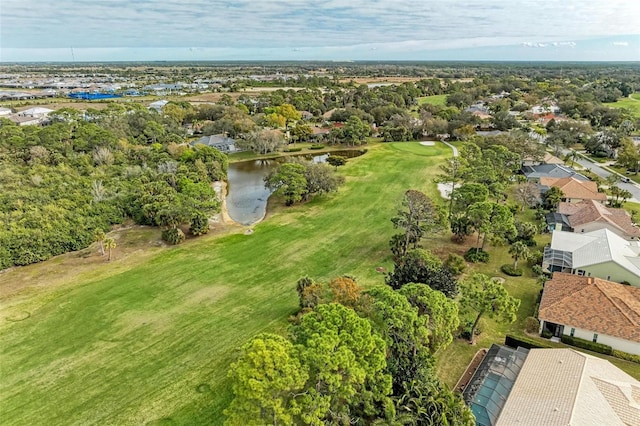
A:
158, 105
25, 121
37, 112
222, 143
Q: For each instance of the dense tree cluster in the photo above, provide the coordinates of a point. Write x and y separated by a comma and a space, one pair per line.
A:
351, 357
64, 181
302, 180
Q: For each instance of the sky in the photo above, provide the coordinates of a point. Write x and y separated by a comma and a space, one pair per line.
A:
148, 30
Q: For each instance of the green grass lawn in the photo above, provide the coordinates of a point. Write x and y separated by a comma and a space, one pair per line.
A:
153, 343
623, 171
633, 105
434, 100
452, 361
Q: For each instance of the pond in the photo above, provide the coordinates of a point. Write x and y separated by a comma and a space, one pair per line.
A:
247, 196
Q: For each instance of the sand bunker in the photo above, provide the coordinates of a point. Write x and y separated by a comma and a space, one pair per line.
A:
445, 189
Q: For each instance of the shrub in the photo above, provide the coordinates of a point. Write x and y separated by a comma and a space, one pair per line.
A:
455, 264
508, 269
546, 334
316, 146
535, 257
585, 344
626, 355
523, 342
173, 236
537, 270
474, 255
199, 224
464, 330
531, 325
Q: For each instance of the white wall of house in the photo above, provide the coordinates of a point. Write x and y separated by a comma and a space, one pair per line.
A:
610, 271
594, 226
614, 342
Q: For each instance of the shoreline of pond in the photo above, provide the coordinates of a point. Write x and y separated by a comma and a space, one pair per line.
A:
249, 205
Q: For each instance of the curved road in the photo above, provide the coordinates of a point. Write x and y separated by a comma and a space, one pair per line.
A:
632, 187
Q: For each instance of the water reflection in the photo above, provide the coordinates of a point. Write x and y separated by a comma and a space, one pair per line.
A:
247, 196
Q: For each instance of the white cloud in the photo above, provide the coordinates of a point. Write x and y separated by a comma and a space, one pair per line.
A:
269, 26
620, 43
293, 23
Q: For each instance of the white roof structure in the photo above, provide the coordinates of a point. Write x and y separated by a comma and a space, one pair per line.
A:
565, 387
591, 248
5, 111
158, 105
35, 112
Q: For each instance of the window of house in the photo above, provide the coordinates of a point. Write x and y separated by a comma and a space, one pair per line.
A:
573, 331
595, 337
608, 277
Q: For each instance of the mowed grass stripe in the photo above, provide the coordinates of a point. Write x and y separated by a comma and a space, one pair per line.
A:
156, 342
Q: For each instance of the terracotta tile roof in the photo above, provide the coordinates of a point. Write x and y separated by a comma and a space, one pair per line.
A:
551, 159
591, 211
574, 188
592, 304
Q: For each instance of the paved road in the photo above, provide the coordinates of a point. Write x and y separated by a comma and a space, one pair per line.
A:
632, 187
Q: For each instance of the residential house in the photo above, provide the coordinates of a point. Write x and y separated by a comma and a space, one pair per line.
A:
543, 109
534, 173
544, 119
557, 222
575, 190
601, 253
593, 309
222, 143
548, 158
589, 216
479, 110
560, 387
306, 115
551, 387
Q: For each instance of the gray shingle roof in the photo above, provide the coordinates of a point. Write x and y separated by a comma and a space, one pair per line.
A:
551, 170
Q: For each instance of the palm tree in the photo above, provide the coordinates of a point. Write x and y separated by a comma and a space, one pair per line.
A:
519, 250
553, 197
98, 237
573, 155
109, 244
